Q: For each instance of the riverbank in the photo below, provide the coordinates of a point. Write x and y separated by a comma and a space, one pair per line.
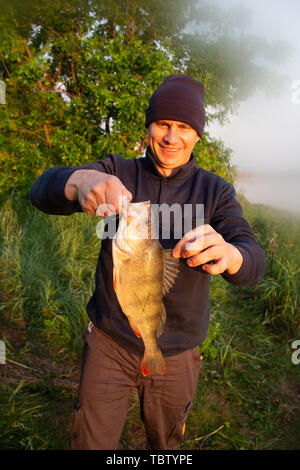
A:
248, 394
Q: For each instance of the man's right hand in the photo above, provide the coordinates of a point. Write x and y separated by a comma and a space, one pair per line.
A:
93, 188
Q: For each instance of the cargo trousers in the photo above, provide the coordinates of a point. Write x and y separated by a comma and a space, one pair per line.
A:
108, 374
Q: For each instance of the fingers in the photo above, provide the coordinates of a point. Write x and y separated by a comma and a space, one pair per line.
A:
188, 237
213, 253
105, 210
196, 241
117, 196
217, 268
127, 193
225, 256
88, 204
202, 246
103, 197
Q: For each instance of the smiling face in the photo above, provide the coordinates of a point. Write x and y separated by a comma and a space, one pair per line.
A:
172, 143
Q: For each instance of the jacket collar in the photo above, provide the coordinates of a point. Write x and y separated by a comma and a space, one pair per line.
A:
182, 173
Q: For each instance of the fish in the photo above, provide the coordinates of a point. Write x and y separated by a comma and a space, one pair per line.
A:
143, 273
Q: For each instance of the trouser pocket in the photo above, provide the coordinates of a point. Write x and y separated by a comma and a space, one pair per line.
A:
177, 432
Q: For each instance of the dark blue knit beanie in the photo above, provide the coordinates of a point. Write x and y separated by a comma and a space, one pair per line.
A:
179, 98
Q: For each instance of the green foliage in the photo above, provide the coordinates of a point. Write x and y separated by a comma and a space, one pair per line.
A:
212, 155
117, 76
79, 75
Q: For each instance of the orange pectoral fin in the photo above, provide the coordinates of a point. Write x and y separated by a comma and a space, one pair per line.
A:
135, 330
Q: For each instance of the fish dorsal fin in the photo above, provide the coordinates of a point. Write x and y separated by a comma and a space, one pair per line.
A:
171, 269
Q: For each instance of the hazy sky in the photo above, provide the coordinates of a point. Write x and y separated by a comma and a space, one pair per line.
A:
265, 134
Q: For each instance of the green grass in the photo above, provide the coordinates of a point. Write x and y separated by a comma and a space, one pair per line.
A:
242, 385
47, 270
249, 389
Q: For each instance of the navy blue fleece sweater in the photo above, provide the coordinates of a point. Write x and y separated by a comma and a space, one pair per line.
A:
187, 304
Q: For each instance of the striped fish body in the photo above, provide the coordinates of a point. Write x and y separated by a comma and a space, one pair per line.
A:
140, 277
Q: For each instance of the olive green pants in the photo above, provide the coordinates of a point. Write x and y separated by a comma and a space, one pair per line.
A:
109, 372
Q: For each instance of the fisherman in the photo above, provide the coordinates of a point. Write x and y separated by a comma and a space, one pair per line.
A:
167, 174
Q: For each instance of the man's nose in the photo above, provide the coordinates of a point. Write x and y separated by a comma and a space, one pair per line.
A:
171, 135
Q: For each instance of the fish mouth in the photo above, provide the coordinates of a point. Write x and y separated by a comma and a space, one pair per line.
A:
125, 205
133, 210
134, 225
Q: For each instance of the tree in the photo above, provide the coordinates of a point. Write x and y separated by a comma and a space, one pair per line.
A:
79, 75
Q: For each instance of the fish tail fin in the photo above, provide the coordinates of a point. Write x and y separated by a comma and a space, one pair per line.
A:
153, 362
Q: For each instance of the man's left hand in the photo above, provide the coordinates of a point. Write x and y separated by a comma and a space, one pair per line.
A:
203, 245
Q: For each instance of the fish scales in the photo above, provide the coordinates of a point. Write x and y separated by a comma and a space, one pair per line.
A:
139, 281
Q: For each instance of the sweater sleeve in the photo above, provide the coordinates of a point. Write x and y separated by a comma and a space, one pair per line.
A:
228, 220
48, 192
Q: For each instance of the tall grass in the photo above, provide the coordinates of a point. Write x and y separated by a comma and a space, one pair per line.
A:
278, 233
247, 392
47, 266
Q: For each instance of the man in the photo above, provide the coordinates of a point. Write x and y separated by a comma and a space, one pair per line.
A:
112, 354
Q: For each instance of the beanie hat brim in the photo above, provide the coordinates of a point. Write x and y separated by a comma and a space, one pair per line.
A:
179, 98
174, 111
